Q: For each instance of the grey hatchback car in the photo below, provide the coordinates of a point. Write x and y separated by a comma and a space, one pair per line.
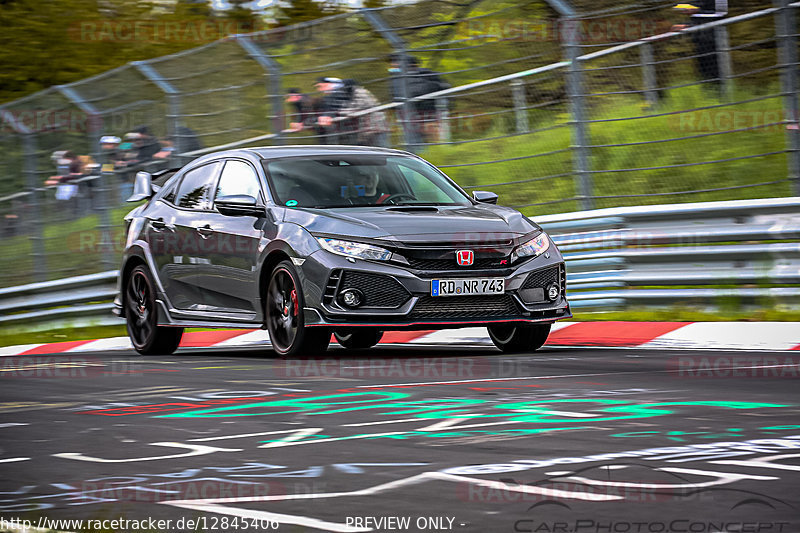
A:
312, 241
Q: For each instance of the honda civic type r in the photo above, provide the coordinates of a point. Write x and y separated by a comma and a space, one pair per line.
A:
312, 241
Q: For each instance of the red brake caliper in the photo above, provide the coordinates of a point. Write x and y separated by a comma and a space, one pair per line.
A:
294, 302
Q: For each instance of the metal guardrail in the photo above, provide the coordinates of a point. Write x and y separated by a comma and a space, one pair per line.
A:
696, 255
691, 254
87, 299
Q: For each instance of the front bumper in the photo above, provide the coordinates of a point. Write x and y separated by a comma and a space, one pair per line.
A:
399, 297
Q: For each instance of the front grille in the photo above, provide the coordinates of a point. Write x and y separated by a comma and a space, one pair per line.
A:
379, 290
541, 279
465, 307
450, 264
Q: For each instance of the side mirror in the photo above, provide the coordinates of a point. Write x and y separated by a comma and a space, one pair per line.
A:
485, 197
142, 187
237, 205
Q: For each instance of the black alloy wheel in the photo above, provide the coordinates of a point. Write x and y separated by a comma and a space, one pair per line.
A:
147, 337
284, 316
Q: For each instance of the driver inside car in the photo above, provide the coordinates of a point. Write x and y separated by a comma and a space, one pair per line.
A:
368, 191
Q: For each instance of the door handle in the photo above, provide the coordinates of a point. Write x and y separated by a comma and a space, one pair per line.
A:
205, 231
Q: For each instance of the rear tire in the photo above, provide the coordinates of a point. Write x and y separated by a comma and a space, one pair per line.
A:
358, 338
283, 309
516, 338
141, 316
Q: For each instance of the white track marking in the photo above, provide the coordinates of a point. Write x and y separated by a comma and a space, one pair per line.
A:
765, 462
297, 435
218, 505
194, 450
731, 335
252, 338
244, 435
104, 345
15, 350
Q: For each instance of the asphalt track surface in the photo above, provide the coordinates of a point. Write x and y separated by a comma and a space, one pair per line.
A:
403, 438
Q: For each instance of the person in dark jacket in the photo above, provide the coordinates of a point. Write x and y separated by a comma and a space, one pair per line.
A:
704, 41
332, 99
146, 146
421, 124
303, 110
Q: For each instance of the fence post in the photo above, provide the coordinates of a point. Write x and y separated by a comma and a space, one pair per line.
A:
443, 111
410, 137
173, 105
785, 30
724, 60
29, 151
274, 84
520, 105
648, 73
95, 121
29, 147
580, 129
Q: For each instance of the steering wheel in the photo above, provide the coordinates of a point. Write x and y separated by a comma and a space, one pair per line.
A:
393, 197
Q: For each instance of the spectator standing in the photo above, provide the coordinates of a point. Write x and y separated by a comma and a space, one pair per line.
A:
704, 41
327, 107
110, 152
366, 130
422, 123
302, 115
146, 146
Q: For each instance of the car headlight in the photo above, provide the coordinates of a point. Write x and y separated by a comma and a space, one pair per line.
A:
354, 249
534, 247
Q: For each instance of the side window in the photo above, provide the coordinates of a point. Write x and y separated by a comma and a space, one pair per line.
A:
195, 189
238, 178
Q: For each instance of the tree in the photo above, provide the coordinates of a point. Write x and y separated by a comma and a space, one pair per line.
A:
74, 39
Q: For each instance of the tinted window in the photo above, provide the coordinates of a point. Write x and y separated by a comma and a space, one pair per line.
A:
353, 181
195, 188
238, 178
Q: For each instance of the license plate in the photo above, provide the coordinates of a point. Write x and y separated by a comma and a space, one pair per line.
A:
467, 287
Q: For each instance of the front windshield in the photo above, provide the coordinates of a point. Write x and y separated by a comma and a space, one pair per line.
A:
358, 181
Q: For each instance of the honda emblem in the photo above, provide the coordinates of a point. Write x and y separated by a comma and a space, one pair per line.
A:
465, 257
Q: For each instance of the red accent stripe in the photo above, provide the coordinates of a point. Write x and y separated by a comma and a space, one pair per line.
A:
612, 333
55, 347
796, 347
201, 339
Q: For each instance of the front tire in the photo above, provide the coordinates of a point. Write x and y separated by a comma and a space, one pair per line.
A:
284, 305
516, 338
358, 338
141, 317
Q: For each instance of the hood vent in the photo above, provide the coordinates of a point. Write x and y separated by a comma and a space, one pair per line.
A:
414, 209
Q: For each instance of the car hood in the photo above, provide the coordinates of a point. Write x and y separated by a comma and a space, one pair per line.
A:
407, 224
